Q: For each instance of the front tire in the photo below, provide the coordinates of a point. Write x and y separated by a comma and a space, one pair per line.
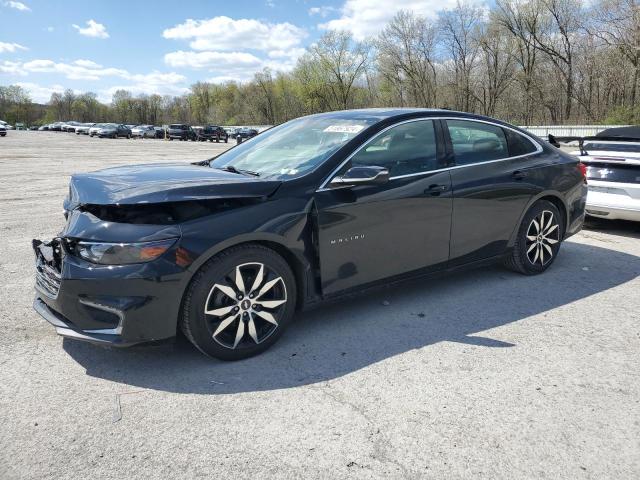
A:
239, 303
538, 239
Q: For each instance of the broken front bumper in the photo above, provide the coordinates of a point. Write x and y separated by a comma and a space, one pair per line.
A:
117, 305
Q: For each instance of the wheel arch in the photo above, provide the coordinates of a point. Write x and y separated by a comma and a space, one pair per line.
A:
550, 196
300, 267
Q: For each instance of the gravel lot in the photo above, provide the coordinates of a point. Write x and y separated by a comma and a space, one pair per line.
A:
486, 374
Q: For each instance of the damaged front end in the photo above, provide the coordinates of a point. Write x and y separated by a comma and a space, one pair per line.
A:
116, 273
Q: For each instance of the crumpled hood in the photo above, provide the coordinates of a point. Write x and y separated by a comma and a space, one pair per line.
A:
159, 183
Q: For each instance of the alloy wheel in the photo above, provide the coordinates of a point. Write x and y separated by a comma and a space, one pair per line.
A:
543, 233
243, 309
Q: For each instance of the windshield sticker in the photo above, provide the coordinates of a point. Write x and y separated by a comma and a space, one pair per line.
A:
343, 128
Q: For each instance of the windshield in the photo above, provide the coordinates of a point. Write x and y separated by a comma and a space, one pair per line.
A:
292, 148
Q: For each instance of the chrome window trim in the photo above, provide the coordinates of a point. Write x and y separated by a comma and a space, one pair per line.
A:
323, 187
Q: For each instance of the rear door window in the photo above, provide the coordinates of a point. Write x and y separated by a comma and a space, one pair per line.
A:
476, 142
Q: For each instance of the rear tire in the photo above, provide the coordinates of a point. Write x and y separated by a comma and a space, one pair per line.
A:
252, 291
538, 239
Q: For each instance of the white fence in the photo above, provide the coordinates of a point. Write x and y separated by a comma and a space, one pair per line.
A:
539, 130
567, 130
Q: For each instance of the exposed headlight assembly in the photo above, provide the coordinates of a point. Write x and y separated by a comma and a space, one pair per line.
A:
121, 253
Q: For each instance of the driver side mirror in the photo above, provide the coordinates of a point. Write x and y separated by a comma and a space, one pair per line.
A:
364, 175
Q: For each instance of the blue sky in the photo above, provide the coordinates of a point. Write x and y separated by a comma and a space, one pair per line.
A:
158, 46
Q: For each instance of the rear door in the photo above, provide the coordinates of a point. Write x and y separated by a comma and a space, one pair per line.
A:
370, 232
493, 179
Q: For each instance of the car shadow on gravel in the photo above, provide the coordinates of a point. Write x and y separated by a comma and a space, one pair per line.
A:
341, 338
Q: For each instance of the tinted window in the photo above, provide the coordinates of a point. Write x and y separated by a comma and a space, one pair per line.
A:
405, 149
518, 144
475, 142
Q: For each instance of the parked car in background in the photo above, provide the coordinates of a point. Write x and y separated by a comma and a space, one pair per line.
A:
160, 132
114, 130
56, 127
43, 128
84, 128
94, 130
20, 126
212, 133
228, 249
612, 158
246, 133
69, 126
34, 128
3, 130
143, 131
181, 131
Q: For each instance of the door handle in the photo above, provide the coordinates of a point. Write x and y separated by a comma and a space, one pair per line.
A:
436, 189
519, 174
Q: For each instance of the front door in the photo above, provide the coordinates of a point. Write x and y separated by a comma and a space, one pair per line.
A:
370, 232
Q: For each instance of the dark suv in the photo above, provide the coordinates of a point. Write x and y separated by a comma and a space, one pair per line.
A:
181, 132
246, 133
211, 133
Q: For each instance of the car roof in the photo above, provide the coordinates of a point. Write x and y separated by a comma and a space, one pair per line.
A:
380, 114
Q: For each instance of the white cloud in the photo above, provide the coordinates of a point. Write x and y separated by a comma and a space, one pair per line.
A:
12, 68
50, 29
323, 11
87, 63
154, 82
215, 60
18, 6
11, 47
82, 69
239, 66
78, 70
93, 29
39, 93
141, 88
226, 34
365, 18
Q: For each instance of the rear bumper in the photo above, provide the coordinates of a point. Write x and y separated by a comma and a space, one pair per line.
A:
614, 201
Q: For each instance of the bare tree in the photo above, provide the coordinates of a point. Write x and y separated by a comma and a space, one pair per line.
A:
496, 65
340, 62
406, 56
559, 27
617, 23
521, 20
459, 32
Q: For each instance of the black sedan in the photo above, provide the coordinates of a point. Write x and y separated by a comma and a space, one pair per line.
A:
228, 249
246, 133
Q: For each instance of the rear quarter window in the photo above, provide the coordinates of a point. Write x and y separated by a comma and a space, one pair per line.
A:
518, 144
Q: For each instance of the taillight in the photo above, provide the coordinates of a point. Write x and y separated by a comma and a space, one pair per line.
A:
583, 170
